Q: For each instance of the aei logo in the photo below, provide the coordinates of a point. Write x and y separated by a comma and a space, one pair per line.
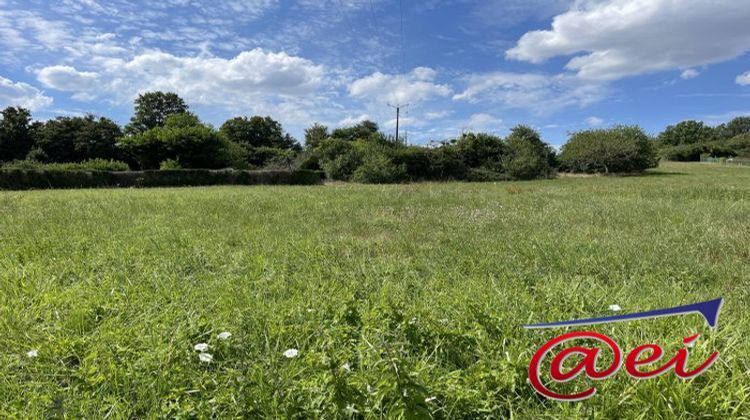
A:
637, 362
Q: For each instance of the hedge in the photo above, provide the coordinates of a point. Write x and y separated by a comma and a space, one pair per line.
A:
19, 179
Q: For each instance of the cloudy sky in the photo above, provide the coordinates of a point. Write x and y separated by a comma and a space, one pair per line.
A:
558, 65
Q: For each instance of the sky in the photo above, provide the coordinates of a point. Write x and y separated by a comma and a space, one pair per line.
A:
556, 65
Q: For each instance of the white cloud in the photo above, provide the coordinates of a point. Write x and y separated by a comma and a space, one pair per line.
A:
620, 38
689, 74
594, 121
203, 80
416, 86
22, 94
743, 79
483, 121
539, 93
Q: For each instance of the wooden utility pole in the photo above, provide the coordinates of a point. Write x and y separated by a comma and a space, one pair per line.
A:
398, 115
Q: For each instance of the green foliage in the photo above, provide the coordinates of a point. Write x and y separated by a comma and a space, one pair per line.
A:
737, 127
446, 163
182, 139
620, 149
258, 132
686, 132
737, 146
339, 158
16, 133
315, 134
481, 150
365, 130
152, 110
75, 139
170, 164
66, 177
528, 157
378, 168
86, 165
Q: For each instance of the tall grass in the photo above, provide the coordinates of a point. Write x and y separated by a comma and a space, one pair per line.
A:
405, 299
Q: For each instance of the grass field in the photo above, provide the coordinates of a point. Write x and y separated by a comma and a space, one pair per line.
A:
404, 299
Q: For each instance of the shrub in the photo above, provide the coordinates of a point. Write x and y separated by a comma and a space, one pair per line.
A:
481, 150
21, 179
379, 169
87, 165
618, 149
486, 175
528, 157
169, 164
446, 163
416, 160
339, 158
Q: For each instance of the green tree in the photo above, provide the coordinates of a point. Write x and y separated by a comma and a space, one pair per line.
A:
315, 134
481, 150
16, 133
528, 157
365, 130
182, 139
686, 132
614, 150
734, 128
75, 139
258, 132
152, 110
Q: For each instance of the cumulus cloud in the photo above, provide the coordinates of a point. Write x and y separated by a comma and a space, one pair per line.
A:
619, 38
594, 121
413, 87
689, 74
200, 80
539, 93
483, 121
743, 79
22, 94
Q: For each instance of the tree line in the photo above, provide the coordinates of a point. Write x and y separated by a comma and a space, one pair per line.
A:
164, 134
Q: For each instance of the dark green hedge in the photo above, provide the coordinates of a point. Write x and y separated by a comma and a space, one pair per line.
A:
18, 179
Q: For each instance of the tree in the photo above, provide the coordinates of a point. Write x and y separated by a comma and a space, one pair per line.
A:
16, 133
616, 150
365, 130
528, 157
481, 150
152, 110
315, 134
75, 139
686, 132
734, 128
258, 132
183, 139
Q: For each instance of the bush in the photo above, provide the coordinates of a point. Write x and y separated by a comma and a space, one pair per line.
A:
486, 175
21, 179
481, 150
416, 160
619, 149
379, 169
339, 158
528, 157
446, 163
169, 164
87, 165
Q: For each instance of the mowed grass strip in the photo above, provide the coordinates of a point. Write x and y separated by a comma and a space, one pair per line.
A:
401, 299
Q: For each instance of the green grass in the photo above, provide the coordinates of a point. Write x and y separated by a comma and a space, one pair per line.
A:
422, 289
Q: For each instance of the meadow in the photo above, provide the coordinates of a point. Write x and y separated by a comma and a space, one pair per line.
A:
401, 300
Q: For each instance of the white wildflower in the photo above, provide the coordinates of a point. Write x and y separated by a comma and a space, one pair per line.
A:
430, 399
205, 358
615, 308
225, 335
291, 353
201, 347
346, 367
32, 353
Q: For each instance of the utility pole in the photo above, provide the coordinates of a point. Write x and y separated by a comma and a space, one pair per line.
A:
398, 115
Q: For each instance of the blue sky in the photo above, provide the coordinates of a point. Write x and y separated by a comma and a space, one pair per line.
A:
558, 65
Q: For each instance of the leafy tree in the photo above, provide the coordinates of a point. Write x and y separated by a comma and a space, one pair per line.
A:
16, 133
75, 139
734, 128
686, 132
152, 110
528, 157
315, 134
365, 130
182, 139
258, 132
481, 150
618, 149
